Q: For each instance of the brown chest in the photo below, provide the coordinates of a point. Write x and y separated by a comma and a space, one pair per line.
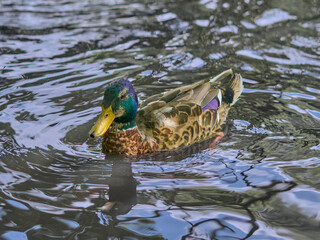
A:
127, 142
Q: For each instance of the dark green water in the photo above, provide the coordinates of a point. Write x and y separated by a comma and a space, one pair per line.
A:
262, 181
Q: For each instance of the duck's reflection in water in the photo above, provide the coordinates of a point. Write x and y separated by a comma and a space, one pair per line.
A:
122, 189
122, 185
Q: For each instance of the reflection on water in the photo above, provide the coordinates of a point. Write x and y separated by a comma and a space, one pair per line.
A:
260, 181
122, 189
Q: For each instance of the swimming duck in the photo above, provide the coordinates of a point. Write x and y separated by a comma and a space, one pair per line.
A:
166, 121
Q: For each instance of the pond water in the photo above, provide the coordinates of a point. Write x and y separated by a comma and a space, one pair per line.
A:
261, 181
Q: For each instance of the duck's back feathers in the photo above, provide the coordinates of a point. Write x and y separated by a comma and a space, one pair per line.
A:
188, 114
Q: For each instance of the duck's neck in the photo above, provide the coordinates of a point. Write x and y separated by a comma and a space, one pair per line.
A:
123, 126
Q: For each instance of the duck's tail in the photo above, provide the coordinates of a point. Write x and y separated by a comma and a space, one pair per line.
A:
231, 85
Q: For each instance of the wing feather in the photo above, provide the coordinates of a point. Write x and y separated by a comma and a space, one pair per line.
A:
185, 114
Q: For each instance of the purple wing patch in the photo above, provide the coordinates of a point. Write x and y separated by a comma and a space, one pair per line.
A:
214, 104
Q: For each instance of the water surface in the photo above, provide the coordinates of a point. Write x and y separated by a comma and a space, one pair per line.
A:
261, 181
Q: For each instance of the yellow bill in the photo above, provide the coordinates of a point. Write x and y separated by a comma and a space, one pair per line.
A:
103, 123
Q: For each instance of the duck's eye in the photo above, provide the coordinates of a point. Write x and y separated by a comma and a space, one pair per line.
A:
107, 115
123, 96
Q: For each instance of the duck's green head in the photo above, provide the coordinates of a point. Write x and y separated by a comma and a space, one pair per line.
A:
119, 104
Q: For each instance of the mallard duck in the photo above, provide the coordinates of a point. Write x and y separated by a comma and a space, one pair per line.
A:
166, 121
